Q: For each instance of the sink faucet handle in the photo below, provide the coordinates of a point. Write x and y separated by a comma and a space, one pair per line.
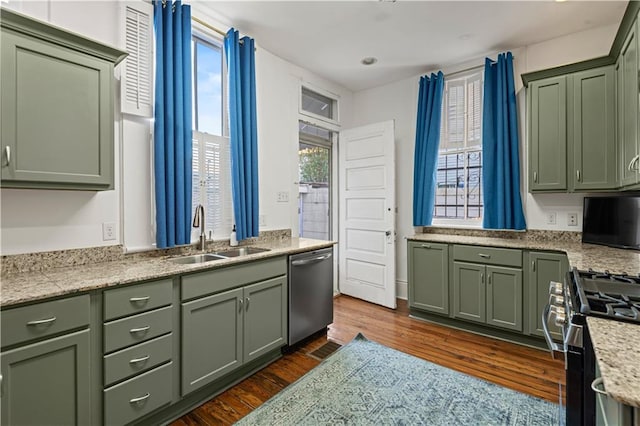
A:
196, 216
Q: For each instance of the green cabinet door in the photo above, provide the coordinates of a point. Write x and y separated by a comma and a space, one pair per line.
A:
428, 277
548, 135
504, 297
57, 116
211, 338
543, 268
628, 110
265, 317
47, 383
469, 292
594, 162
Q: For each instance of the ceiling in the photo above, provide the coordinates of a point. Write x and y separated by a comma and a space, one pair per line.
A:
407, 37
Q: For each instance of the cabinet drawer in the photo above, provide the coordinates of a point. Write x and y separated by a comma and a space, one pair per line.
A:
205, 283
137, 359
137, 298
139, 396
43, 319
138, 328
488, 255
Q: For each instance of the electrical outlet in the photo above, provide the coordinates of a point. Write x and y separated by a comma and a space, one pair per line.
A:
572, 219
108, 231
263, 220
551, 218
282, 197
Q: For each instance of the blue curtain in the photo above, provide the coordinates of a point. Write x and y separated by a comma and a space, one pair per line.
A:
243, 132
172, 141
500, 147
426, 147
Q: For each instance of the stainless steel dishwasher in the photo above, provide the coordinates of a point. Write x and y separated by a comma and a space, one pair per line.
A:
310, 293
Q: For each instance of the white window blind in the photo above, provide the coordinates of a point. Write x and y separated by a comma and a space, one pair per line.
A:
212, 184
136, 84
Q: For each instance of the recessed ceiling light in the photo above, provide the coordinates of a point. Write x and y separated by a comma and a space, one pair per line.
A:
560, 1
369, 60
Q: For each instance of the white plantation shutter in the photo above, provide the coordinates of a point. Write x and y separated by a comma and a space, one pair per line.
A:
474, 110
136, 84
461, 125
212, 183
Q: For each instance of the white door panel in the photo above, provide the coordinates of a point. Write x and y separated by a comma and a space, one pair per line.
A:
367, 213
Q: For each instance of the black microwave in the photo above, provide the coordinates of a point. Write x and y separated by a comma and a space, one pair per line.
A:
612, 221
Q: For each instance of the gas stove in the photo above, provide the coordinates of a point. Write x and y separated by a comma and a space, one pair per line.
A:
612, 296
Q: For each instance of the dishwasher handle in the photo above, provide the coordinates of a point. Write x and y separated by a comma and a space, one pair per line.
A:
316, 259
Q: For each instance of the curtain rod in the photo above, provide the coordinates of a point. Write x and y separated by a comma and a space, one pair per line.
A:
212, 28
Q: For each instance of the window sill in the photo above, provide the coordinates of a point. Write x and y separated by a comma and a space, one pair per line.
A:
457, 224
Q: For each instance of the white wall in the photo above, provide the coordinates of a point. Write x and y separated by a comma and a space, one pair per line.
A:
398, 101
35, 220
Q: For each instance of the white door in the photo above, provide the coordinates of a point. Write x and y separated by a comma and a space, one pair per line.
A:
367, 213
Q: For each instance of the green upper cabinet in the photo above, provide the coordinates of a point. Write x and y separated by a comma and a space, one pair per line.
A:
627, 80
593, 162
428, 277
57, 107
548, 135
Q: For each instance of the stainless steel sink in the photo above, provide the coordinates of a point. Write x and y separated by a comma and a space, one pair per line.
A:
241, 251
197, 258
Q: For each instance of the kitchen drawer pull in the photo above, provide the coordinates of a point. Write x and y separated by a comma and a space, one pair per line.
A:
425, 246
42, 322
140, 399
139, 360
139, 299
7, 151
484, 256
598, 382
140, 329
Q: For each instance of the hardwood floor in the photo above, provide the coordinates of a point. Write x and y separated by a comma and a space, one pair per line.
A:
517, 367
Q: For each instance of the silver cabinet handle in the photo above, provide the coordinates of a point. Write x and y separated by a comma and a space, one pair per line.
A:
425, 246
635, 161
533, 265
246, 305
1, 389
7, 151
139, 299
535, 177
489, 279
140, 329
139, 399
139, 360
42, 322
482, 277
598, 382
578, 175
484, 256
240, 301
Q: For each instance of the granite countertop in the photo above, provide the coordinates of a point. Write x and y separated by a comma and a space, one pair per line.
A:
27, 287
618, 354
582, 256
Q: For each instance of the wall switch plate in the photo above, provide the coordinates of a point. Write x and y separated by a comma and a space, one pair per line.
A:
572, 219
283, 197
263, 220
551, 218
108, 231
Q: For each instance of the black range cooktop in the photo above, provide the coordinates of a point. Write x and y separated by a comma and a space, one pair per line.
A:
613, 296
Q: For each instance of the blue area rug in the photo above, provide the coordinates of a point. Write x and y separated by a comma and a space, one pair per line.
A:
365, 383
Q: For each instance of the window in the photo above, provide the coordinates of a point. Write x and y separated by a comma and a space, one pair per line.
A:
459, 169
318, 105
211, 151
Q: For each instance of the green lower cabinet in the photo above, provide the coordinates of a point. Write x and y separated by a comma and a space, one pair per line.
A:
489, 295
48, 382
543, 268
222, 332
428, 277
504, 297
469, 293
211, 338
265, 317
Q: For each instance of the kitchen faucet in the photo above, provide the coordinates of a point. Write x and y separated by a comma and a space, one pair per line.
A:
198, 221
